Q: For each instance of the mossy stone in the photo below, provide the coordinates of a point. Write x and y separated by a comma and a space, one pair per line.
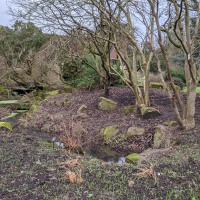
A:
131, 109
66, 89
132, 131
110, 133
160, 139
107, 104
149, 112
132, 158
156, 85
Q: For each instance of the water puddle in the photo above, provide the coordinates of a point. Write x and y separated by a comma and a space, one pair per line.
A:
100, 152
60, 144
106, 154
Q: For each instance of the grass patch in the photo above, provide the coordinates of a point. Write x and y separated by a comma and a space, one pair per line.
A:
185, 89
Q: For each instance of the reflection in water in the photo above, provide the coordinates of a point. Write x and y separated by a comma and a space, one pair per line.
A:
102, 153
105, 154
60, 144
119, 161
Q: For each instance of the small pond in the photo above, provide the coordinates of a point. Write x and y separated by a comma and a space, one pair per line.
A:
105, 153
100, 152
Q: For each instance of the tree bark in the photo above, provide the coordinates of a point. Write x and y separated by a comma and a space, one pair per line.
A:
189, 121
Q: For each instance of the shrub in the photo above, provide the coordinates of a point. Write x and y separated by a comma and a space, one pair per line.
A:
178, 74
87, 78
115, 79
73, 136
179, 82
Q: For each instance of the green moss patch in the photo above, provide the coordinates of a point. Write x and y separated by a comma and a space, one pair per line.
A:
132, 158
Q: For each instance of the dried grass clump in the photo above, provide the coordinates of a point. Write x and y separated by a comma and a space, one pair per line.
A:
73, 135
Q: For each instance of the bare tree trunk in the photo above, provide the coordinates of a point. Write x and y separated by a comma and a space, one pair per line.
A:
189, 121
106, 86
146, 88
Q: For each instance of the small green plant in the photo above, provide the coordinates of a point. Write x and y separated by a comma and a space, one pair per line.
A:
185, 89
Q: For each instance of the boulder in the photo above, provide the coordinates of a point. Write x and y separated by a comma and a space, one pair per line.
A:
110, 133
156, 85
161, 137
149, 153
131, 109
66, 89
132, 158
106, 104
149, 112
132, 131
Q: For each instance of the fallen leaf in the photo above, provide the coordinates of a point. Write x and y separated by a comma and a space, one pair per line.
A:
146, 172
71, 176
69, 163
80, 179
131, 183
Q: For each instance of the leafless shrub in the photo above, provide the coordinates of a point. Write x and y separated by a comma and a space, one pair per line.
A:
73, 135
154, 78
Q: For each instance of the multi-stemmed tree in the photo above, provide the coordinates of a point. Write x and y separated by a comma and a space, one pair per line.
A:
130, 27
181, 33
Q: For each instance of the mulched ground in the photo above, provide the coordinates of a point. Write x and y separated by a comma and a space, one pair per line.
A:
55, 115
29, 163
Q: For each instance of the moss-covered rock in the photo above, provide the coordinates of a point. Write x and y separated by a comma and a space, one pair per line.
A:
131, 109
110, 133
150, 153
132, 131
132, 158
149, 112
106, 104
156, 85
170, 123
161, 137
66, 89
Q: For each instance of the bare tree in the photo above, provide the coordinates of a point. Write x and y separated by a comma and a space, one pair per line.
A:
119, 18
184, 39
105, 21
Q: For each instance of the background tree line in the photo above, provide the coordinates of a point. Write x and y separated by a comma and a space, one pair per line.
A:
162, 36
